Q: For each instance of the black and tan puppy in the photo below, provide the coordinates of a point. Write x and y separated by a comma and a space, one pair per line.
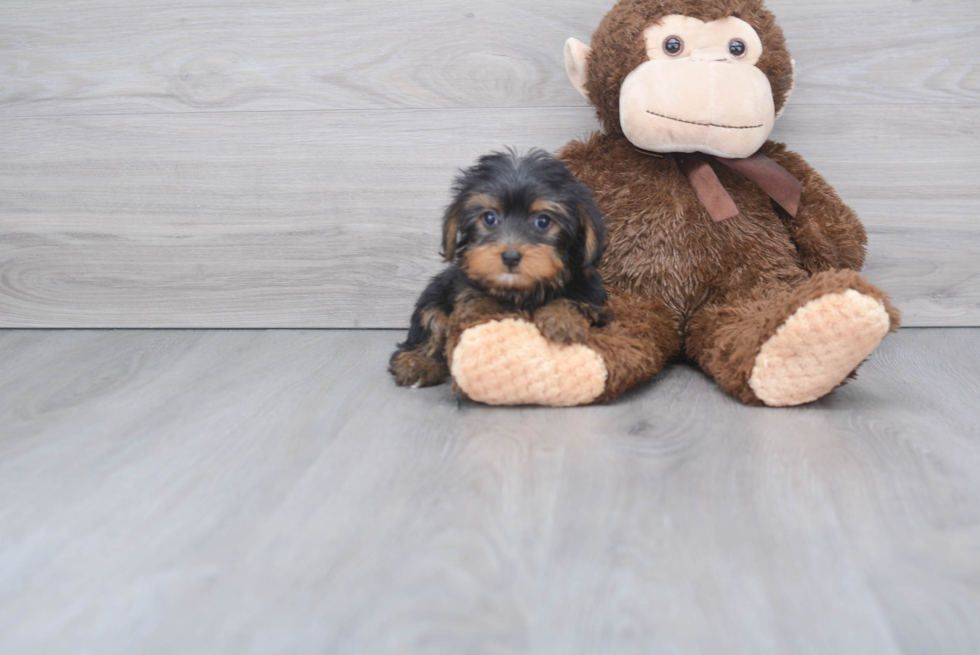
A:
523, 236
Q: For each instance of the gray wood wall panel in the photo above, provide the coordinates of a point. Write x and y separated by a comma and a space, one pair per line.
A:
124, 57
247, 164
318, 219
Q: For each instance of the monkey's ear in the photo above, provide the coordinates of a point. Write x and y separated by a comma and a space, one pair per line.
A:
792, 85
593, 226
577, 64
450, 229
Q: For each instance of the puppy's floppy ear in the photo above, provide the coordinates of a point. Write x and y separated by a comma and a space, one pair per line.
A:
450, 229
592, 224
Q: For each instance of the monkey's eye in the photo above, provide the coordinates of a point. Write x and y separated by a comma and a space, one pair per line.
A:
490, 219
737, 48
543, 222
673, 45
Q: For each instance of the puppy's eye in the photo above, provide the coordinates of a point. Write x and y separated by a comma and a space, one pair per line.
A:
490, 219
543, 222
673, 45
737, 48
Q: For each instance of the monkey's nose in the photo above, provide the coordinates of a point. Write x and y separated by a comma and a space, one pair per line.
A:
709, 54
511, 257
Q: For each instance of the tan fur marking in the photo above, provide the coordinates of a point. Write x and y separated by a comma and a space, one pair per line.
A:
449, 237
540, 205
591, 240
437, 322
484, 262
484, 201
539, 264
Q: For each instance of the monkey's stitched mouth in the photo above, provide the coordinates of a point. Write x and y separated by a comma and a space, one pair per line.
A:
724, 127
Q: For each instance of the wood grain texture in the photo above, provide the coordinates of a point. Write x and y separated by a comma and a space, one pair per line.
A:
255, 492
332, 220
238, 164
108, 57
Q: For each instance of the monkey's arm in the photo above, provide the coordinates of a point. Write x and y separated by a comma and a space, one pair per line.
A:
827, 232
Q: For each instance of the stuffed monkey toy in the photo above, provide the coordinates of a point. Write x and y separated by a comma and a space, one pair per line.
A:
722, 246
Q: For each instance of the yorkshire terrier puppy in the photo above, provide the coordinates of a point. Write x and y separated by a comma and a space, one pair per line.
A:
523, 237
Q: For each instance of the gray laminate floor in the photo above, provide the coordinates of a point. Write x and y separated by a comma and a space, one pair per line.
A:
273, 492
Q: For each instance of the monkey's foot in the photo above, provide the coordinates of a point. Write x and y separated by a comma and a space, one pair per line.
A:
508, 362
818, 347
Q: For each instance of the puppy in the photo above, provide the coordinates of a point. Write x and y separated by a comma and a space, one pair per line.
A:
523, 237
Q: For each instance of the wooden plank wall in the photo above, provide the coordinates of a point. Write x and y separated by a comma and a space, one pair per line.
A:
237, 163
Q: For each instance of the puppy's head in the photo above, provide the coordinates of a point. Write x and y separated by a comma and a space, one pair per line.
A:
519, 225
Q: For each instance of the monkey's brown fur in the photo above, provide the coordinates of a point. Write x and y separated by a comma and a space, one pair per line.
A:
726, 287
678, 281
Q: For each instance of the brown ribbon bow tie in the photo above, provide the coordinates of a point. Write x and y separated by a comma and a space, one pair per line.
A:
772, 178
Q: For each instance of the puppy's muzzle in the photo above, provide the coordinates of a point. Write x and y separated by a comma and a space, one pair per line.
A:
511, 258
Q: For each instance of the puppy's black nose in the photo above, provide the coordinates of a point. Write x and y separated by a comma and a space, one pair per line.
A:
511, 257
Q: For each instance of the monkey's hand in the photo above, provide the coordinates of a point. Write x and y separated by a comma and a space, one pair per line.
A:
827, 233
413, 368
565, 321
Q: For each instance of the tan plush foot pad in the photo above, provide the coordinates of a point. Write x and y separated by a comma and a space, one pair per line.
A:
817, 348
508, 362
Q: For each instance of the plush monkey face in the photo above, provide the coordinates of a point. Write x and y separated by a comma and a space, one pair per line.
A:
700, 91
706, 83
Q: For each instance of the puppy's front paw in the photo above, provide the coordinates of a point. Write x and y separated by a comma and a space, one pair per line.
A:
414, 369
472, 307
562, 322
